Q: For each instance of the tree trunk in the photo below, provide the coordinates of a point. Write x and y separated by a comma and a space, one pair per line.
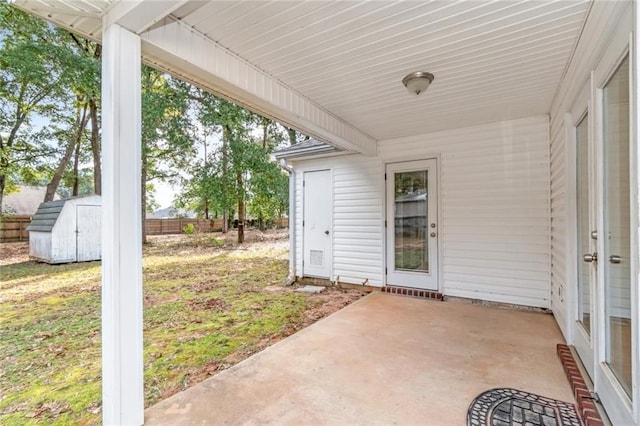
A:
240, 221
240, 210
3, 183
143, 198
205, 200
292, 136
76, 179
265, 131
7, 145
81, 122
95, 147
4, 165
225, 162
52, 187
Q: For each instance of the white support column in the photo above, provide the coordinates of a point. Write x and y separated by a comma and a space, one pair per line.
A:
635, 209
122, 360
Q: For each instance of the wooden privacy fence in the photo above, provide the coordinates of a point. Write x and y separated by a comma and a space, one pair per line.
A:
176, 226
14, 228
282, 222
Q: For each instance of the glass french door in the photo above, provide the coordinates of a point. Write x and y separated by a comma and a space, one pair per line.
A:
616, 231
586, 272
603, 331
412, 224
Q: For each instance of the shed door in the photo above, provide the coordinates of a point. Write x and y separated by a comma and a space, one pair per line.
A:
88, 233
317, 224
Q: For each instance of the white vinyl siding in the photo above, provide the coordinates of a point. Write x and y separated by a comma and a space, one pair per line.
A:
494, 227
357, 243
604, 19
357, 217
558, 223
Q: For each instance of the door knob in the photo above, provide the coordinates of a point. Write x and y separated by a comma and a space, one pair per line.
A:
326, 232
433, 235
590, 257
615, 259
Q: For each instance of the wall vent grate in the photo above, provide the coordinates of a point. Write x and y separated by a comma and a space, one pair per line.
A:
316, 257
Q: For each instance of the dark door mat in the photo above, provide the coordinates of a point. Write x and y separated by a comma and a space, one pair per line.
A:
511, 407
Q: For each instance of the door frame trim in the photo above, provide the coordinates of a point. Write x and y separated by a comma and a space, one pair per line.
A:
331, 227
400, 160
620, 407
582, 107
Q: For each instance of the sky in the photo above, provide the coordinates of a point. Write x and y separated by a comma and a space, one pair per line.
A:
164, 194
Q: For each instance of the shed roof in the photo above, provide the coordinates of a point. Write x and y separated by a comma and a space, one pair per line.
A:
307, 148
46, 216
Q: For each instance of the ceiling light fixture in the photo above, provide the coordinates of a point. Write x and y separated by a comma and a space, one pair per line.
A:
417, 82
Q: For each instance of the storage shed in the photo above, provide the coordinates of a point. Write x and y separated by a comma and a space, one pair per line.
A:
66, 231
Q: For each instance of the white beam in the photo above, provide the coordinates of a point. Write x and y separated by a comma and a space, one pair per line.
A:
177, 48
138, 15
122, 360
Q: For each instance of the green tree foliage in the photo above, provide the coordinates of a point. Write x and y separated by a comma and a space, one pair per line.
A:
167, 141
45, 79
410, 183
86, 87
269, 196
50, 122
237, 175
247, 181
31, 73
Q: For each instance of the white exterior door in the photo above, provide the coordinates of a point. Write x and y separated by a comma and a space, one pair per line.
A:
88, 233
615, 364
317, 224
586, 273
603, 329
412, 224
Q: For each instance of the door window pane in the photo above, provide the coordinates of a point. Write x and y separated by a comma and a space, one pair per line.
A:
617, 255
584, 229
410, 205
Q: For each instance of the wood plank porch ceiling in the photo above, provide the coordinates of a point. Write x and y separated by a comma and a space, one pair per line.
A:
492, 60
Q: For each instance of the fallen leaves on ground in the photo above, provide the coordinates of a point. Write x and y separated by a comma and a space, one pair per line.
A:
208, 304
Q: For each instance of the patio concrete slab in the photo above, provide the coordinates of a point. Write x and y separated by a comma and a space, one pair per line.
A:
382, 360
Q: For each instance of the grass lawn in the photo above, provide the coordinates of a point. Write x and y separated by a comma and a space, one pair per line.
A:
207, 305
